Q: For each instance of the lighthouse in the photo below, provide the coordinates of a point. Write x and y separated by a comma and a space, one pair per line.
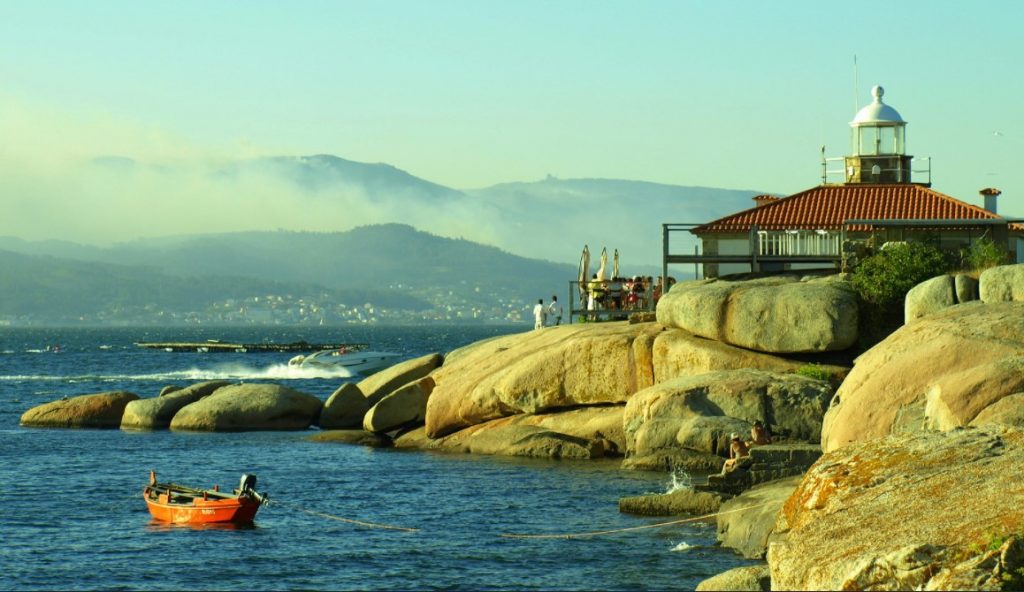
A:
878, 153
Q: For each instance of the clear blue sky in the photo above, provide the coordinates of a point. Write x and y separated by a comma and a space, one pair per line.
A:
736, 94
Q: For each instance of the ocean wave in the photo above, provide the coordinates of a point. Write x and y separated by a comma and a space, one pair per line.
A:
683, 546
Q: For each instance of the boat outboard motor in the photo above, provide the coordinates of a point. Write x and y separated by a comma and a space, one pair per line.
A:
247, 486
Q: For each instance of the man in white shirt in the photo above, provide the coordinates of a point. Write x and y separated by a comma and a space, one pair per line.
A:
555, 309
539, 314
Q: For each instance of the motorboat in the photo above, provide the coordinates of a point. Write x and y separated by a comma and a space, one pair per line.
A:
355, 362
170, 502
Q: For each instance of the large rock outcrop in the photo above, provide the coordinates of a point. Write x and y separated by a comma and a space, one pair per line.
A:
560, 367
777, 314
938, 373
252, 406
672, 420
576, 365
589, 432
1004, 283
99, 410
935, 511
746, 521
157, 413
678, 354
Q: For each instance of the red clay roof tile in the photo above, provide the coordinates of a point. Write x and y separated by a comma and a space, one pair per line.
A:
826, 207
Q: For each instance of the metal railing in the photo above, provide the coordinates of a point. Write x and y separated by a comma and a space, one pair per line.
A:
786, 243
919, 165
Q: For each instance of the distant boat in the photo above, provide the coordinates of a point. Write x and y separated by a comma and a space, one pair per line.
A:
170, 502
356, 362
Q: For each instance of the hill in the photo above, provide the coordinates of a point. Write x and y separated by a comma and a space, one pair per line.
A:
412, 275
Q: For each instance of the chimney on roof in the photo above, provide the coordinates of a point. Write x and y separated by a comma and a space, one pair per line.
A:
990, 194
763, 200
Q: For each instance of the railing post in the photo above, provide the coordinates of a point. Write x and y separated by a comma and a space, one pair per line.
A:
754, 266
664, 256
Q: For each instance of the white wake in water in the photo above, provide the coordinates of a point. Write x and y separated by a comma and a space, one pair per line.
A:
221, 372
683, 546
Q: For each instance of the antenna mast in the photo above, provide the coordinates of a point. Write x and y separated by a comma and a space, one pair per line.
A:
856, 85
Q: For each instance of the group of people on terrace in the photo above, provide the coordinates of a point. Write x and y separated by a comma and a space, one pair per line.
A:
618, 293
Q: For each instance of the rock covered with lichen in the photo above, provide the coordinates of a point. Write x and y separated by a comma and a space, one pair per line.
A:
932, 511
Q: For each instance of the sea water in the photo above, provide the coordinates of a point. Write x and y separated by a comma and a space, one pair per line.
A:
72, 514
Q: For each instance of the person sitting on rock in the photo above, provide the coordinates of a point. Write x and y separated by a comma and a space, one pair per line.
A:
759, 435
738, 449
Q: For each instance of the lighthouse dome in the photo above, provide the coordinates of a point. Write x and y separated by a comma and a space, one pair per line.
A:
877, 113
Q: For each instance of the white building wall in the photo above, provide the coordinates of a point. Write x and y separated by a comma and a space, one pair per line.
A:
733, 246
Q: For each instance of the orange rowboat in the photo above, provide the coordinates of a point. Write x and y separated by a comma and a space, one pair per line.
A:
169, 502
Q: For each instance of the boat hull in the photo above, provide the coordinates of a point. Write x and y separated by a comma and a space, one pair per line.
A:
200, 509
361, 362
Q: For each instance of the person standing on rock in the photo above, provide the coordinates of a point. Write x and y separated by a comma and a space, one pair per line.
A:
539, 314
555, 309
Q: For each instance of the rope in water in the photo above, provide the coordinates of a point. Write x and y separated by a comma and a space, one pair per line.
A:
570, 535
342, 519
576, 535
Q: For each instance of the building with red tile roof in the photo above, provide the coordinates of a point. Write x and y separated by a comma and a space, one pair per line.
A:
876, 198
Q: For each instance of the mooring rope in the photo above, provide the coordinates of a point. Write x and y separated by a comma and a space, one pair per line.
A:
343, 519
575, 535
570, 535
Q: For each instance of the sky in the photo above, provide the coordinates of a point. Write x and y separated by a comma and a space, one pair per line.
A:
468, 94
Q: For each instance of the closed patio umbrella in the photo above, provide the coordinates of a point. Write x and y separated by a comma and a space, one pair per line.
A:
604, 264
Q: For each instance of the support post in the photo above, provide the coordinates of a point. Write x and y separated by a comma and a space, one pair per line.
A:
754, 265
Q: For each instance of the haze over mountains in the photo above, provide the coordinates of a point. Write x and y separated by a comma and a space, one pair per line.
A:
114, 199
326, 223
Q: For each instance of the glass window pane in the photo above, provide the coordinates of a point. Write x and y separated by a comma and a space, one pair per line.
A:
868, 140
887, 143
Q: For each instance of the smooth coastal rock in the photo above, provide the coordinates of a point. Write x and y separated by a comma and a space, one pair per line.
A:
746, 521
777, 314
245, 407
966, 288
157, 413
1006, 411
344, 409
698, 413
508, 437
1004, 283
591, 432
677, 353
929, 296
681, 501
934, 511
937, 373
357, 437
385, 382
99, 410
403, 408
755, 578
558, 367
